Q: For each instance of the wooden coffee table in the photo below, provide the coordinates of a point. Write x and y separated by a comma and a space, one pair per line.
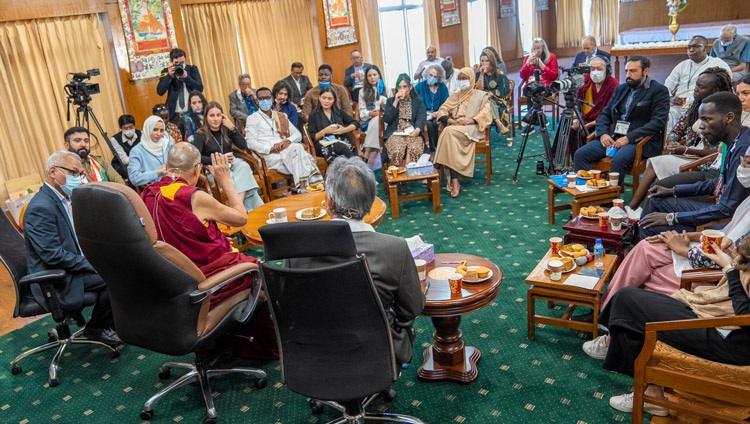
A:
542, 288
448, 358
580, 199
394, 198
586, 231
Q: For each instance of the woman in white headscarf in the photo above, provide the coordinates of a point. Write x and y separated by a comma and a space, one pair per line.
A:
149, 158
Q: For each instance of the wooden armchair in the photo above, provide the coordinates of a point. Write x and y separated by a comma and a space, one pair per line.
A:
509, 102
693, 165
268, 177
663, 365
482, 148
310, 147
639, 162
522, 100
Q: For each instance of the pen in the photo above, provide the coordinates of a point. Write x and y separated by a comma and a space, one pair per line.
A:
426, 287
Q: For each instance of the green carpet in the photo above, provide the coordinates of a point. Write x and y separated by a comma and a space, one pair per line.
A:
548, 379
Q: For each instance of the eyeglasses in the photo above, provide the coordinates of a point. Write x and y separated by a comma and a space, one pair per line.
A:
73, 172
695, 46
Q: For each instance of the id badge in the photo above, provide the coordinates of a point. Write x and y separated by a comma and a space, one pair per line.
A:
429, 115
621, 128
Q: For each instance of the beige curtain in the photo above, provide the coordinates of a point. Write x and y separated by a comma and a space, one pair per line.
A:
432, 21
493, 13
35, 57
368, 31
211, 33
463, 10
571, 13
273, 34
605, 21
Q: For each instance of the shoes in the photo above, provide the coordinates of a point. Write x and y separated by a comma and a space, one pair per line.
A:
104, 335
596, 348
624, 403
589, 317
501, 128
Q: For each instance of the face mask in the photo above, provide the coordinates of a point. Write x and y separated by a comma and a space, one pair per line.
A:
725, 43
265, 104
71, 183
381, 87
597, 76
431, 80
463, 84
324, 84
128, 133
743, 176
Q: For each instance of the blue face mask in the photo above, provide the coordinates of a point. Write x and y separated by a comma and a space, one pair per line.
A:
381, 87
725, 43
265, 104
324, 84
71, 183
431, 80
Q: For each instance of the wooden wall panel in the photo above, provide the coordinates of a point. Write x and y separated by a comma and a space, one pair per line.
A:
652, 13
337, 57
451, 42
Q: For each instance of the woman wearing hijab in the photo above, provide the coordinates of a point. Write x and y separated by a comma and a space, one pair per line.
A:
464, 116
148, 160
405, 115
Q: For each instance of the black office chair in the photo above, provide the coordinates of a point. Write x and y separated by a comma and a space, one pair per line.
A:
160, 299
334, 339
13, 256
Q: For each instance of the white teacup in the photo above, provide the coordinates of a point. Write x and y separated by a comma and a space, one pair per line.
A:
278, 215
270, 221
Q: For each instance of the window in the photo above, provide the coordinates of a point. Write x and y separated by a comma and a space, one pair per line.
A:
525, 18
403, 38
478, 31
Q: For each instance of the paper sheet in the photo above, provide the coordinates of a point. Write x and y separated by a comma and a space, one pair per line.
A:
582, 281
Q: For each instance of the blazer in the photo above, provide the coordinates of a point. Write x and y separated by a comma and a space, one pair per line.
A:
647, 115
418, 116
170, 85
348, 80
51, 244
297, 94
238, 107
581, 57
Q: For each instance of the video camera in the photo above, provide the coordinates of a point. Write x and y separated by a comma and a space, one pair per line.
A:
572, 82
78, 91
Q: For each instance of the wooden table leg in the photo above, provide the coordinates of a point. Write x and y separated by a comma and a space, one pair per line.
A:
448, 358
435, 189
551, 204
393, 199
530, 311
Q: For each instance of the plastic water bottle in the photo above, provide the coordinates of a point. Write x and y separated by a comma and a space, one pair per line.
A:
598, 254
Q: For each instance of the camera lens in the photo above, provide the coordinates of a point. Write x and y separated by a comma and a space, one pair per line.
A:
179, 71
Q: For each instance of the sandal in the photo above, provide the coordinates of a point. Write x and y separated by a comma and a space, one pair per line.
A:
455, 190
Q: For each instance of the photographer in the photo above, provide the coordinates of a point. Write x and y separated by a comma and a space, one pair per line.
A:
177, 81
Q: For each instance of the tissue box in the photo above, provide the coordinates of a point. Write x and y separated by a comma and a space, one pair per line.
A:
415, 170
425, 251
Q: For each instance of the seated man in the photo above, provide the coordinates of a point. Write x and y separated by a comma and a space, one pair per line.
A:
684, 207
95, 168
310, 101
350, 192
51, 243
354, 76
588, 44
733, 49
269, 133
637, 109
243, 102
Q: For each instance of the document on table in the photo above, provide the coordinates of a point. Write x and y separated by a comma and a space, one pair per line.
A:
582, 281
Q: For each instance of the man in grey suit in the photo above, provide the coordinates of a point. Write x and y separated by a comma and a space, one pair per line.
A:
243, 102
298, 83
350, 192
51, 243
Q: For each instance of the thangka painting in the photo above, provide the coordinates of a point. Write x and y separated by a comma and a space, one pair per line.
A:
449, 13
339, 22
149, 35
507, 8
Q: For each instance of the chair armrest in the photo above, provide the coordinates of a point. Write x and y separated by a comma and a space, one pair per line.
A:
700, 275
214, 283
639, 149
698, 162
687, 324
52, 276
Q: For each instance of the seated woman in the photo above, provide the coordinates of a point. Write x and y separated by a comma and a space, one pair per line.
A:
498, 60
329, 127
404, 115
464, 117
371, 101
743, 92
684, 138
149, 158
492, 79
629, 311
281, 103
123, 142
433, 91
218, 135
193, 120
540, 58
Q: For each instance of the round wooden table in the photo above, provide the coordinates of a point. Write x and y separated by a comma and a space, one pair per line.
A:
448, 358
258, 216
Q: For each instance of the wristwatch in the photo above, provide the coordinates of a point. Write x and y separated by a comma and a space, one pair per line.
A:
670, 219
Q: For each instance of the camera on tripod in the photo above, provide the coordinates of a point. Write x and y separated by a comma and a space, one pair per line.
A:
572, 82
78, 91
179, 68
535, 92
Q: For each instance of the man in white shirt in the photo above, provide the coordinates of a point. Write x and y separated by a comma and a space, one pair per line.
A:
270, 133
681, 82
432, 59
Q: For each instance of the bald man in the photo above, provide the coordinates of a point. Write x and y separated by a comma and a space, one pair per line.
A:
432, 59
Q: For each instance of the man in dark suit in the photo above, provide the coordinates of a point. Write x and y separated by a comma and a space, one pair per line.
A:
298, 83
177, 81
350, 192
51, 243
354, 76
637, 109
588, 44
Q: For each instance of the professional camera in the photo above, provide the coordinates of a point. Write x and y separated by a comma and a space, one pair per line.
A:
78, 91
179, 68
573, 81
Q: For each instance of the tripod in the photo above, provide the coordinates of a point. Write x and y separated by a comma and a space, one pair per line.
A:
570, 112
84, 114
535, 116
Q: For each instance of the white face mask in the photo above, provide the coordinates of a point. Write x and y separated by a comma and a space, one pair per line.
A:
743, 176
128, 133
463, 84
597, 76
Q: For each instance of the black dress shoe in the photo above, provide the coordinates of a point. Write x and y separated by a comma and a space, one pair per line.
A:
104, 335
587, 317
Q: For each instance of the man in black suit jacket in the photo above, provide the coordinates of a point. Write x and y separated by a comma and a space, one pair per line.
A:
177, 81
637, 109
51, 243
588, 44
298, 83
354, 76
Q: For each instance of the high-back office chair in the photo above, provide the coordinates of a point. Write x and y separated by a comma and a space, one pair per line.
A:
160, 299
13, 256
334, 339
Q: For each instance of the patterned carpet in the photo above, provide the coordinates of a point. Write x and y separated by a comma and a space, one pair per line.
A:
545, 380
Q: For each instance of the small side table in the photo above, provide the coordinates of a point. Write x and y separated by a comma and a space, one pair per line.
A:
394, 198
580, 199
586, 231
